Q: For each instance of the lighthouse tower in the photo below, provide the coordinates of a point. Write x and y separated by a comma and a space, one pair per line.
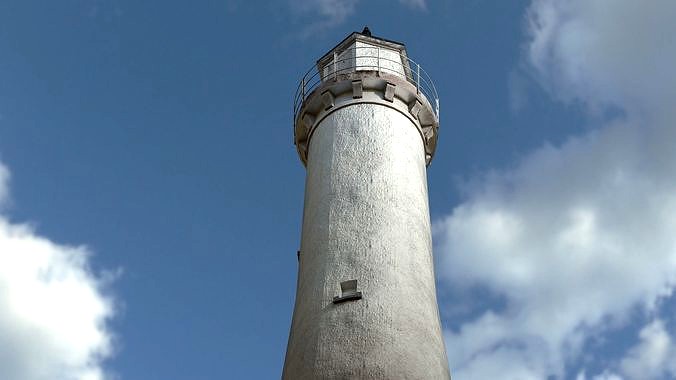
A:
365, 126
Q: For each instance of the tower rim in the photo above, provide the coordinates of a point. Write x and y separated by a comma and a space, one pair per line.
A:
366, 88
366, 64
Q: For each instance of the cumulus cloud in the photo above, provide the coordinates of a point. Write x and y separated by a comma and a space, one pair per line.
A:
575, 237
606, 52
653, 357
53, 309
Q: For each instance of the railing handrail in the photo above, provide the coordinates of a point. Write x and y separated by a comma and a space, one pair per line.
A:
410, 70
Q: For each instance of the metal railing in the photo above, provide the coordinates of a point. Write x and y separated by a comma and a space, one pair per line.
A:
379, 60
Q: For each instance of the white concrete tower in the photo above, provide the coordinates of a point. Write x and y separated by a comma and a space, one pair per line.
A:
365, 126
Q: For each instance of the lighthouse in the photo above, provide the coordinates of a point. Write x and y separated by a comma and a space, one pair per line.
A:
366, 118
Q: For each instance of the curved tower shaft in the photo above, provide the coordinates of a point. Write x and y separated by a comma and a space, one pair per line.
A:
366, 303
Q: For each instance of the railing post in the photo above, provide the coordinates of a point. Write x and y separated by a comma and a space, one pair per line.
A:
437, 101
335, 68
378, 59
417, 84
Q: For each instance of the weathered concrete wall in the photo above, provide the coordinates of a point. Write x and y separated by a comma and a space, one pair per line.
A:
364, 56
385, 60
366, 217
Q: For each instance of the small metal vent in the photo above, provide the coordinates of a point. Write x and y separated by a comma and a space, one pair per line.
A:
348, 292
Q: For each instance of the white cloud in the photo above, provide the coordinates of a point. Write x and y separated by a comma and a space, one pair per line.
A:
606, 51
415, 4
607, 375
4, 184
653, 357
325, 14
53, 313
576, 236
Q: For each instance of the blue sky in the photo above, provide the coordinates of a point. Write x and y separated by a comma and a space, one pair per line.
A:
151, 196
